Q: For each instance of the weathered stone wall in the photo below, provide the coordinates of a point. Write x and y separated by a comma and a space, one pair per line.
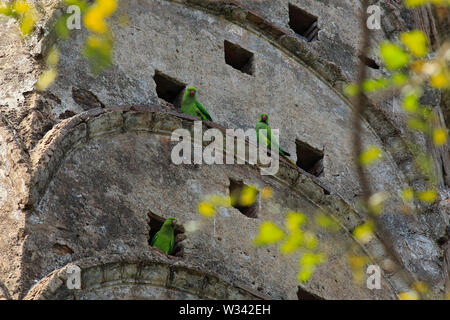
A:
80, 184
338, 21
302, 105
93, 205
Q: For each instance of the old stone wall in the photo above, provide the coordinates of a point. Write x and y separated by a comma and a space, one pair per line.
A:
111, 215
83, 168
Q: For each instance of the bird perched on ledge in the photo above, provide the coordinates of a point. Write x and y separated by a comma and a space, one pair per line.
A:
191, 106
164, 239
265, 137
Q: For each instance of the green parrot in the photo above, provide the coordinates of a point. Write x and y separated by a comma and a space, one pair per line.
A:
164, 239
191, 106
263, 123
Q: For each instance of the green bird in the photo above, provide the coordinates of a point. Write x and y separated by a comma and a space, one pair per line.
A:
265, 138
164, 239
190, 105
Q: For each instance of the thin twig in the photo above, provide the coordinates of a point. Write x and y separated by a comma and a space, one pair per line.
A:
359, 103
359, 106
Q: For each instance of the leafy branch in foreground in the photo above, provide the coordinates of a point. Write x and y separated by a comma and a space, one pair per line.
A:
412, 69
98, 46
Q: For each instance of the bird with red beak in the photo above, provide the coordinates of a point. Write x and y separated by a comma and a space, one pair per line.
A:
192, 106
164, 239
264, 135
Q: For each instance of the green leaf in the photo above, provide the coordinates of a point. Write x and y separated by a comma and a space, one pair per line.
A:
269, 233
292, 243
27, 23
415, 3
80, 4
5, 9
206, 209
407, 195
440, 136
370, 155
411, 102
61, 27
294, 220
351, 90
440, 80
52, 57
399, 79
364, 232
248, 195
429, 196
46, 79
310, 240
393, 56
98, 49
417, 124
416, 41
371, 85
305, 274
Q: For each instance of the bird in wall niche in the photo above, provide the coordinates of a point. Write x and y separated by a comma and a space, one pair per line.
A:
164, 239
190, 104
266, 136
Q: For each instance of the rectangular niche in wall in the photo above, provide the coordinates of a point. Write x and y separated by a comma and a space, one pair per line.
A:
156, 223
237, 189
303, 23
238, 57
168, 89
309, 158
369, 62
304, 294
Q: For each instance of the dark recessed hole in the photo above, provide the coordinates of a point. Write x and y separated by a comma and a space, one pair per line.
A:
237, 189
86, 99
238, 57
303, 294
309, 158
326, 191
442, 240
156, 223
369, 62
67, 114
303, 23
62, 249
168, 89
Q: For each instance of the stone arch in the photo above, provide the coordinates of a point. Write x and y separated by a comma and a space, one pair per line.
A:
137, 278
